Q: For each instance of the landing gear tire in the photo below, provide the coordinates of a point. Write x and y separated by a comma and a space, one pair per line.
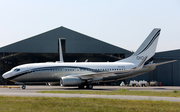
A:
90, 86
81, 86
23, 87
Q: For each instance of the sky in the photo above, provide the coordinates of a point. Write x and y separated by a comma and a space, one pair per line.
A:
123, 23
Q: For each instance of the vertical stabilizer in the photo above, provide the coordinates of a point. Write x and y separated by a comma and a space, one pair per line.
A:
147, 48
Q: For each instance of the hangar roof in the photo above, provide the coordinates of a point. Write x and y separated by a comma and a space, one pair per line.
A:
75, 43
169, 53
173, 54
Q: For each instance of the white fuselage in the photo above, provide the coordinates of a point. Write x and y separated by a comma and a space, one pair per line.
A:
52, 72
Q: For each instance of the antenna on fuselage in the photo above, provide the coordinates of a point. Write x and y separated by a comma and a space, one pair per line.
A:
60, 51
86, 60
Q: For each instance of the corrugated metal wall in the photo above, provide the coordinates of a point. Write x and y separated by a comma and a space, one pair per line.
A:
167, 74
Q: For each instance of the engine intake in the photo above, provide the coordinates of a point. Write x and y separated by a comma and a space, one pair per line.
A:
70, 81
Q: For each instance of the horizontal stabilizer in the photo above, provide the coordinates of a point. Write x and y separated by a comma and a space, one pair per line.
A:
156, 64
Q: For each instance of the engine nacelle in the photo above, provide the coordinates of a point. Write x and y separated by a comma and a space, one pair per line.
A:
70, 81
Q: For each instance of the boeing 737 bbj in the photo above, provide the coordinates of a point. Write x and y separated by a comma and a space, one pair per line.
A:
84, 74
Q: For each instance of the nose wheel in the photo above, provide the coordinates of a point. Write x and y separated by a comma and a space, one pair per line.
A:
23, 87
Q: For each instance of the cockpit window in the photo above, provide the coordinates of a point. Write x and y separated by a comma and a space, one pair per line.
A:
17, 70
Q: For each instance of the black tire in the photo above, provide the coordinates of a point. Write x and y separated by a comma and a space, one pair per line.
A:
23, 87
89, 86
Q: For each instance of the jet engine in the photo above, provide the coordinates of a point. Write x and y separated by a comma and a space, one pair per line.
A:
70, 81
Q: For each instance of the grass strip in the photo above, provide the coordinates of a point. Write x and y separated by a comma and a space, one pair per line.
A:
174, 93
54, 104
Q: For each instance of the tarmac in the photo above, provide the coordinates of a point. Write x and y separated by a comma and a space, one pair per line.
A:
30, 91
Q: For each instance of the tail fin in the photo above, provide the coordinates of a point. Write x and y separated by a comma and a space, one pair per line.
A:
147, 48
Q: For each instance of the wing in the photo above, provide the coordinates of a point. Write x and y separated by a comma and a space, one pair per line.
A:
100, 75
105, 74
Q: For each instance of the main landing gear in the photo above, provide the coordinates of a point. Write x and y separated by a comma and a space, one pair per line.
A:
88, 86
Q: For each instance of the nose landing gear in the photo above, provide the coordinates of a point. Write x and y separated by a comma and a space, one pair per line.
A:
23, 87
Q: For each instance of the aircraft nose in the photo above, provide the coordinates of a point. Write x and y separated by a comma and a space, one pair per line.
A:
6, 75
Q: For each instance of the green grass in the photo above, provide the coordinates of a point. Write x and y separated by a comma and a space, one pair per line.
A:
174, 93
54, 104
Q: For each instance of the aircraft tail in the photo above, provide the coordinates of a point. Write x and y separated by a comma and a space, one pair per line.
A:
147, 48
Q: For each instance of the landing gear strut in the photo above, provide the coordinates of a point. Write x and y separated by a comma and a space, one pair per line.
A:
88, 86
81, 86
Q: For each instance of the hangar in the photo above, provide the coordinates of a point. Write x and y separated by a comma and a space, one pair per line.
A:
44, 48
80, 47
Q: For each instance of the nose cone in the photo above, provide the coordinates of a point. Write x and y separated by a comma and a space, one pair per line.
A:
6, 75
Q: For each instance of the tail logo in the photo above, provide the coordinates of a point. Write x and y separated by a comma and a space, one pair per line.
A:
140, 57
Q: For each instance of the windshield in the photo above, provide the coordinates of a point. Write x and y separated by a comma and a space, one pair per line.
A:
17, 69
